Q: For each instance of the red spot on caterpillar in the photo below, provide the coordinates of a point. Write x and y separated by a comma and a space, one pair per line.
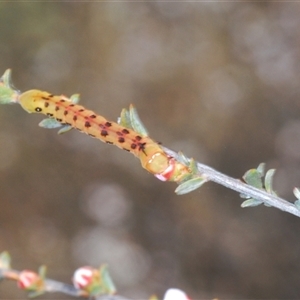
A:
119, 133
108, 124
104, 133
133, 146
74, 118
125, 131
142, 146
138, 138
81, 110
87, 124
93, 116
65, 112
56, 108
121, 140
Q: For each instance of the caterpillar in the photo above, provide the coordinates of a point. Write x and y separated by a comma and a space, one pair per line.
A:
128, 134
63, 110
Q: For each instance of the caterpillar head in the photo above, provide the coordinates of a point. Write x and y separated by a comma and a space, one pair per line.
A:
32, 100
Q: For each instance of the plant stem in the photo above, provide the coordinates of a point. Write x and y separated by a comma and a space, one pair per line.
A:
243, 188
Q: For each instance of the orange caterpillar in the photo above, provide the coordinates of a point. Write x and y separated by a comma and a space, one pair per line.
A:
128, 134
67, 112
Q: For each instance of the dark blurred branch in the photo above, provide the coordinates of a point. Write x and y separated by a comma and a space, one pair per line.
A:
58, 287
111, 297
243, 188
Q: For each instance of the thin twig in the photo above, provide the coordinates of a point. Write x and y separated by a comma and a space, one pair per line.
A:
243, 188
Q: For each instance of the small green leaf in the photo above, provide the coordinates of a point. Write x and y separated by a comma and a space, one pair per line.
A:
108, 284
269, 181
50, 123
65, 129
183, 159
261, 169
8, 94
251, 203
42, 271
253, 178
75, 98
296, 192
136, 122
35, 294
124, 119
193, 166
5, 260
130, 119
245, 196
297, 204
190, 185
6, 78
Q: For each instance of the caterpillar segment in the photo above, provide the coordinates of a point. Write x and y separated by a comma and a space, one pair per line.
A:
63, 111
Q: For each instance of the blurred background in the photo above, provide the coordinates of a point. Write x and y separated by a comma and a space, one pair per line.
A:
219, 81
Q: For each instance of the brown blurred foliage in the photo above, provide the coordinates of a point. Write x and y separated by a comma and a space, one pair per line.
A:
219, 81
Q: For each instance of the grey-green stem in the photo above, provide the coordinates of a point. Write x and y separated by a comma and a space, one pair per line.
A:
243, 188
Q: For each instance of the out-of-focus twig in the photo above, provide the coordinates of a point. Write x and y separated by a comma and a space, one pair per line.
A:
52, 286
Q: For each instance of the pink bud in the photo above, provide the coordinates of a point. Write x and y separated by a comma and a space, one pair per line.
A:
175, 294
83, 277
28, 279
